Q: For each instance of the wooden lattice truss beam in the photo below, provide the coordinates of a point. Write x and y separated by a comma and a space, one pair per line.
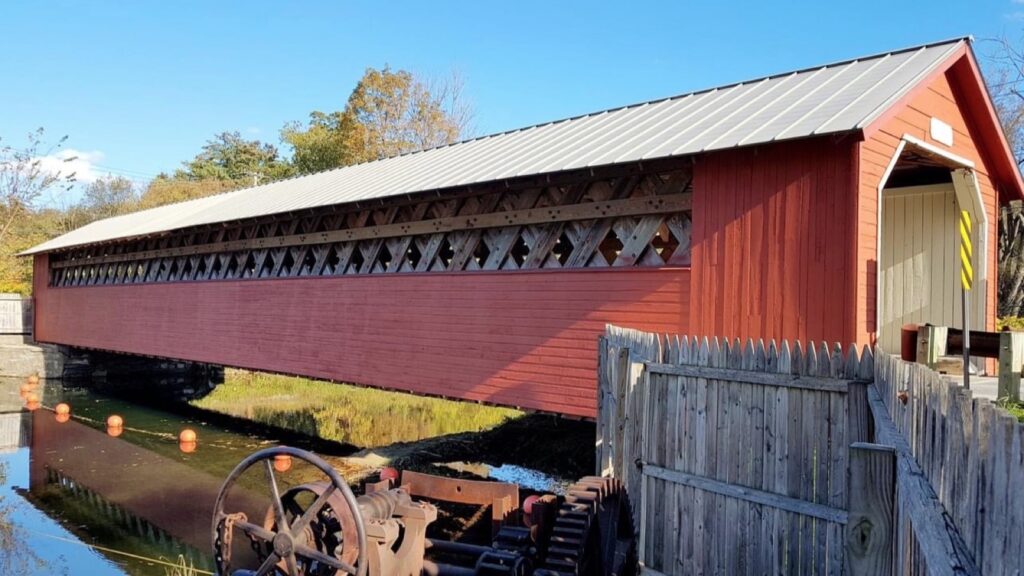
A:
631, 220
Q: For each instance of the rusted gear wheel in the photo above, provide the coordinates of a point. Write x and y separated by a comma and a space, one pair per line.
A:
592, 534
319, 539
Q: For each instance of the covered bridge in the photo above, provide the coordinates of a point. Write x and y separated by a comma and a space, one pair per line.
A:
819, 204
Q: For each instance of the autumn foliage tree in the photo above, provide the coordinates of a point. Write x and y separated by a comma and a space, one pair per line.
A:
387, 114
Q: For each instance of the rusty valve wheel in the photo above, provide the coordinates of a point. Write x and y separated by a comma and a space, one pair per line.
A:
288, 542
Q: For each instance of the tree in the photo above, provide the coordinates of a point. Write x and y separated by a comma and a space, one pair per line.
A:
26, 175
228, 156
388, 113
110, 196
166, 189
24, 178
1006, 85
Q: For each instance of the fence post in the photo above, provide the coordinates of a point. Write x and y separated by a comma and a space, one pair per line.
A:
1011, 360
931, 344
872, 491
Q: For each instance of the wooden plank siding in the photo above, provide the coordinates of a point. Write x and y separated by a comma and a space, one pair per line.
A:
524, 339
938, 98
773, 228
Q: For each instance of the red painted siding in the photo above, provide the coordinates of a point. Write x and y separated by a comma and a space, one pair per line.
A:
773, 228
521, 339
939, 98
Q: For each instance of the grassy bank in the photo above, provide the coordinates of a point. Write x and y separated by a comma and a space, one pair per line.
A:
359, 416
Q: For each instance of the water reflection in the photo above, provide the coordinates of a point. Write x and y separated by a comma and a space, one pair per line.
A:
78, 496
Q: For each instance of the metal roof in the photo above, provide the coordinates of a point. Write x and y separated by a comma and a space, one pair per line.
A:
838, 97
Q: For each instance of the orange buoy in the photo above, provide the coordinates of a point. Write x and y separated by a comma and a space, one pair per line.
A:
282, 462
528, 509
187, 435
32, 401
62, 418
114, 431
26, 388
389, 473
62, 408
33, 379
115, 421
187, 447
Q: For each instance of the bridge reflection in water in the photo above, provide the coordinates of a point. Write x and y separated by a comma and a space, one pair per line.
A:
131, 497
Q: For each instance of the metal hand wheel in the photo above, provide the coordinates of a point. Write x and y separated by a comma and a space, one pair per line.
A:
323, 539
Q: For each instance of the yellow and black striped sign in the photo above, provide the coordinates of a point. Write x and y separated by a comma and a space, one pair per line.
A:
966, 251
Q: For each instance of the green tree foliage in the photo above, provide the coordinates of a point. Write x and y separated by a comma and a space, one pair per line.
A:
228, 156
388, 113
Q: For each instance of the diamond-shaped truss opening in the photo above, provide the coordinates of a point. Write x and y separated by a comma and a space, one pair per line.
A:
562, 248
217, 265
611, 246
232, 269
201, 267
384, 257
664, 242
445, 253
187, 269
139, 271
308, 262
413, 254
355, 263
333, 259
481, 253
519, 252
249, 268
174, 269
287, 263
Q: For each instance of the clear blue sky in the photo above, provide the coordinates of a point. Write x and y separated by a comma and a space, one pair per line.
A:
144, 84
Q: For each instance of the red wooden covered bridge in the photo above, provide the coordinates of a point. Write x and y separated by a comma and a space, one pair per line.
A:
819, 204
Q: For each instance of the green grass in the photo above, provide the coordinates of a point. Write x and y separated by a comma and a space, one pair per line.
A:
1016, 409
359, 416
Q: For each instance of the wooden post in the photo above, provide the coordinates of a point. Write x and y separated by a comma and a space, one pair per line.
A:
1011, 361
872, 490
931, 344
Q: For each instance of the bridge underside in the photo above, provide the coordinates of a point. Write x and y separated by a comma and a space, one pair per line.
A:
495, 296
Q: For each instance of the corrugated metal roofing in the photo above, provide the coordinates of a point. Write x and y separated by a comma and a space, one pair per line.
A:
834, 98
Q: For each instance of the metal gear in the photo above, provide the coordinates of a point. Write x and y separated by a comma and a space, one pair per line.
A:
592, 534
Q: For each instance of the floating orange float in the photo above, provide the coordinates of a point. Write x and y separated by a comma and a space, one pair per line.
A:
282, 462
62, 418
187, 447
115, 421
114, 431
62, 408
187, 435
528, 509
32, 401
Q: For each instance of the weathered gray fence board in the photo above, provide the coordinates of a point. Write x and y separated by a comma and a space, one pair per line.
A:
742, 447
960, 509
15, 314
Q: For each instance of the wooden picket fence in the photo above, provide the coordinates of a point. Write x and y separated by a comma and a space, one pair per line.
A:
736, 455
960, 492
746, 458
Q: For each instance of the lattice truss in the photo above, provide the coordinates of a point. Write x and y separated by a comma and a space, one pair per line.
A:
633, 220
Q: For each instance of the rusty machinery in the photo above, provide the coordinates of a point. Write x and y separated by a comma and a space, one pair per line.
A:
323, 528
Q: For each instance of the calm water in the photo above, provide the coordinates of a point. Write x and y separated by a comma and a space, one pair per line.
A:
76, 500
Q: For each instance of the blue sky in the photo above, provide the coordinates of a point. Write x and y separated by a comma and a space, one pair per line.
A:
139, 86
